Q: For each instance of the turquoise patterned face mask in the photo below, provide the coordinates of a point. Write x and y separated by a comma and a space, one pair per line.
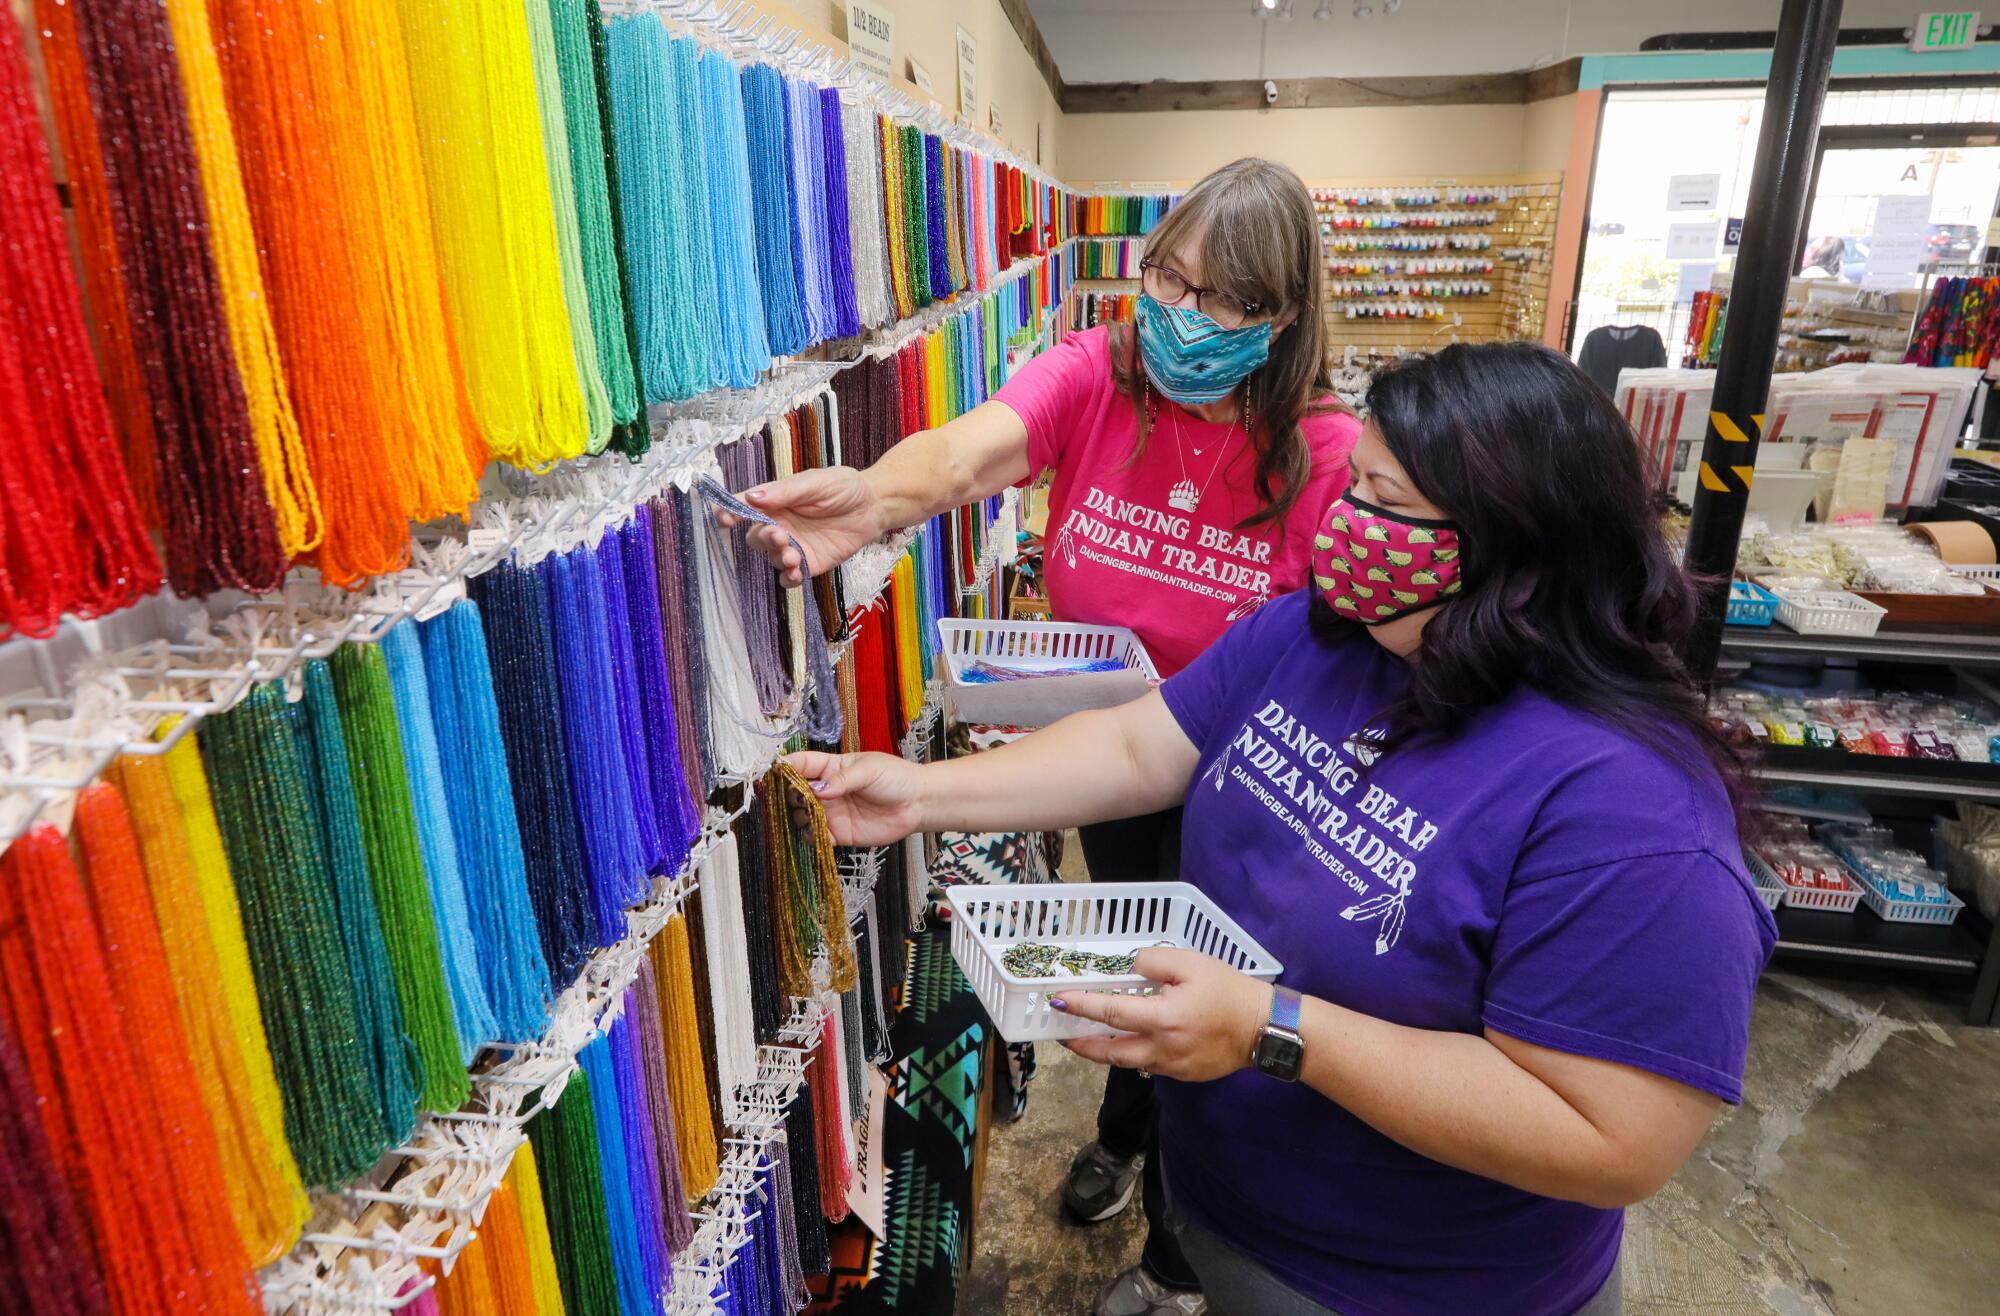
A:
1192, 359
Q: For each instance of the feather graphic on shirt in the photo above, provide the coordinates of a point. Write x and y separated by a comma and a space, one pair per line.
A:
1387, 907
1218, 770
1369, 908
1245, 606
1067, 547
1392, 928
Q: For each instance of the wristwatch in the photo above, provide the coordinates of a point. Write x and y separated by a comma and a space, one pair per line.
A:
1280, 1051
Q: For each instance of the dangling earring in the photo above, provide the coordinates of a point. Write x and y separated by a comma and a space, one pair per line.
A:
1249, 409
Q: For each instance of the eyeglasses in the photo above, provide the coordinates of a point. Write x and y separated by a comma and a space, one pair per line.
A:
1169, 286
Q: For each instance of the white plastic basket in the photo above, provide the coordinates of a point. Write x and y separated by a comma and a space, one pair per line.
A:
1108, 918
1769, 889
1892, 910
1828, 612
1833, 901
1029, 645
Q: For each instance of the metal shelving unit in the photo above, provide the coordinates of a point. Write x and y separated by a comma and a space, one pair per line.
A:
1951, 647
1955, 948
1969, 947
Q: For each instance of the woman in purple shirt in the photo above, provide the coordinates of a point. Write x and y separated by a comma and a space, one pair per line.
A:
1464, 790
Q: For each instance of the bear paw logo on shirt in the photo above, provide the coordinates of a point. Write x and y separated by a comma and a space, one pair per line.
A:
1184, 497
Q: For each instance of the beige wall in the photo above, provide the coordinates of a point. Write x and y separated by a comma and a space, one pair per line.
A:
928, 31
1545, 134
1348, 144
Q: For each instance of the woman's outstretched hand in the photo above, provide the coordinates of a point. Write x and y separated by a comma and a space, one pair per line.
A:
831, 512
1199, 1024
870, 799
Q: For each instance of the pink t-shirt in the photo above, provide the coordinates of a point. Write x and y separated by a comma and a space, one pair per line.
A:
1153, 544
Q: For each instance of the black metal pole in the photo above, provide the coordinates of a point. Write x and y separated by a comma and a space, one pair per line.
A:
1779, 192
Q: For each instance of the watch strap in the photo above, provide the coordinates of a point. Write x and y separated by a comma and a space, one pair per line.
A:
1285, 1009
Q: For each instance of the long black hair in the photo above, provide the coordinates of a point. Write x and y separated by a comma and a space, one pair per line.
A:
1568, 584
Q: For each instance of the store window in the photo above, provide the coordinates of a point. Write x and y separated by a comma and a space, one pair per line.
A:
1672, 185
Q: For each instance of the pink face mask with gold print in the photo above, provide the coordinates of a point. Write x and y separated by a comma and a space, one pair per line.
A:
1372, 564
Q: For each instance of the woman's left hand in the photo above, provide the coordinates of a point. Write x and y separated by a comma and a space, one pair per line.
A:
1201, 1022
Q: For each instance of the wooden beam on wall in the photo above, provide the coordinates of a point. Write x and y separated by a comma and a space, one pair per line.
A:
1030, 34
1322, 93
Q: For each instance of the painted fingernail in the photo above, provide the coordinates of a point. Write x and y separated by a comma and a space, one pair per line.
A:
755, 495
1058, 1003
817, 786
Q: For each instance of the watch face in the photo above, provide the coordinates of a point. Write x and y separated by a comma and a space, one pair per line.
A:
1280, 1054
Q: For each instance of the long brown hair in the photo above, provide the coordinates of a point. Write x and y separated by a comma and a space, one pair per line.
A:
1258, 240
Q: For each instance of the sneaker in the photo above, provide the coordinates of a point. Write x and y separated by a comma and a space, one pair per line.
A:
1137, 1293
1099, 1184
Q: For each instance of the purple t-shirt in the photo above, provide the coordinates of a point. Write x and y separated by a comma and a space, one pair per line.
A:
1540, 874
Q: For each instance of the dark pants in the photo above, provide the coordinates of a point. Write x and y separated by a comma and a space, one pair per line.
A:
1143, 849
1236, 1284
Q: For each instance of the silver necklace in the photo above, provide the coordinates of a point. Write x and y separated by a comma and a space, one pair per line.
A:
1186, 496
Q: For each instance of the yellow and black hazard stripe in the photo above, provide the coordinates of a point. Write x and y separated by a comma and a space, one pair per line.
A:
1732, 476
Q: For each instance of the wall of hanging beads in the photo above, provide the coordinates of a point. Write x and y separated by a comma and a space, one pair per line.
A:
365, 922
1112, 213
1092, 306
418, 878
337, 258
1416, 265
1110, 244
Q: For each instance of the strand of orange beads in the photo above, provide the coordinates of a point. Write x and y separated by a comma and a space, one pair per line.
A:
63, 1013
356, 64
287, 150
138, 967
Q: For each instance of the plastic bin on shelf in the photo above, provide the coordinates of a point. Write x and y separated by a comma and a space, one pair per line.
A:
1829, 612
1107, 918
1832, 900
1028, 645
1892, 910
1750, 604
1769, 889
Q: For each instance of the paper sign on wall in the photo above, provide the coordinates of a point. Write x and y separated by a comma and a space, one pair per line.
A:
922, 77
1896, 244
1691, 241
968, 75
993, 118
871, 38
1695, 276
1693, 191
1909, 213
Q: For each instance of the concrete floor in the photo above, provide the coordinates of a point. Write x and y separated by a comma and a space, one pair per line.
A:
1861, 1175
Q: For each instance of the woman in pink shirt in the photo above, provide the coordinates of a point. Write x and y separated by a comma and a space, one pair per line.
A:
1191, 453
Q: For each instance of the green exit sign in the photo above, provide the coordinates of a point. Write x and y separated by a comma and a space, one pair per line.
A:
1935, 32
